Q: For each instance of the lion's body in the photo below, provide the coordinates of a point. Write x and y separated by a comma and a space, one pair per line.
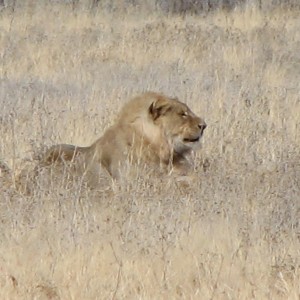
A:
152, 129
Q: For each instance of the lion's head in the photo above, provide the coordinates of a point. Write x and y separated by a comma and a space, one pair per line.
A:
164, 120
181, 126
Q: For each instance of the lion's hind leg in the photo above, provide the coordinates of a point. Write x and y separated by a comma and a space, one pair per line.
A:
61, 153
56, 165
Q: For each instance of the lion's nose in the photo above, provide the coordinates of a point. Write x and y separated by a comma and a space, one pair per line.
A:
202, 126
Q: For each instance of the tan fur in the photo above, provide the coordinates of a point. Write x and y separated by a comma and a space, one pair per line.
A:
151, 128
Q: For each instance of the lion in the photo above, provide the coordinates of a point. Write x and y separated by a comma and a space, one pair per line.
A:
153, 129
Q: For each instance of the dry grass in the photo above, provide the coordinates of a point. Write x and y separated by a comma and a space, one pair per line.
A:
234, 234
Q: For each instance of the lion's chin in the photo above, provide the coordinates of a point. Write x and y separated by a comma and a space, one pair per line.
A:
193, 143
187, 144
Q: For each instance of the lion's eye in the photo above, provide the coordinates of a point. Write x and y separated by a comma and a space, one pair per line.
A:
184, 114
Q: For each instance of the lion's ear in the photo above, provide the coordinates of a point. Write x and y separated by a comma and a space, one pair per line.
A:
157, 109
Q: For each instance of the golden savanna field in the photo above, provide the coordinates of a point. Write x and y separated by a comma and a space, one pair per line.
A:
232, 233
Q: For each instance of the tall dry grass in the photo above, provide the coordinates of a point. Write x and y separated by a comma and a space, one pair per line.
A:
233, 234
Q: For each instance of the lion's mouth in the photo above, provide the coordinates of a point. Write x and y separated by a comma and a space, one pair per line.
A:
192, 140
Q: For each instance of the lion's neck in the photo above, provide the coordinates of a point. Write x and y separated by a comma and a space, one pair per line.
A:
152, 137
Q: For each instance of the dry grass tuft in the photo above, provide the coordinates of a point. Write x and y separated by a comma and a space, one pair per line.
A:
233, 234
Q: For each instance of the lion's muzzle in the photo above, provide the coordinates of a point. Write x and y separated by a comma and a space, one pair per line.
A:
202, 127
